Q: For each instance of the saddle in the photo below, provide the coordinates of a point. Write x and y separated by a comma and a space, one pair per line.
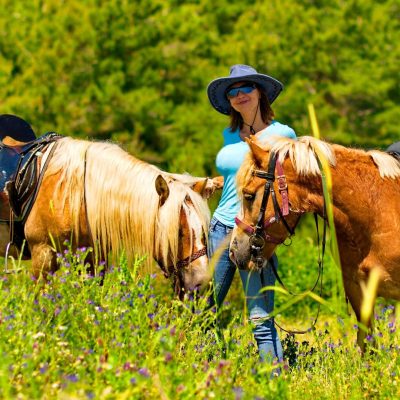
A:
394, 150
21, 171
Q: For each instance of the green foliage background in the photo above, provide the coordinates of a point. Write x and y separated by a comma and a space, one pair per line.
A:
136, 72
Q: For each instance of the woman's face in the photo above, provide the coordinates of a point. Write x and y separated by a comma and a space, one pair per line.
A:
241, 101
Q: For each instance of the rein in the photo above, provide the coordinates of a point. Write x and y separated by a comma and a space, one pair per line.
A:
319, 276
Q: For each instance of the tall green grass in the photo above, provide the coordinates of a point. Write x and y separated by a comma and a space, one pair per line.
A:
124, 336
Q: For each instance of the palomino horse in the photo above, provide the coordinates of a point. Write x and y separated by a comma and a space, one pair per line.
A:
96, 194
366, 209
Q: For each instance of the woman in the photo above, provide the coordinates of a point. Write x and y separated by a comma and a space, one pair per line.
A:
246, 96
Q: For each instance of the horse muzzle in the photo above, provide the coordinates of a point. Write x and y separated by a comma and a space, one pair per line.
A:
239, 251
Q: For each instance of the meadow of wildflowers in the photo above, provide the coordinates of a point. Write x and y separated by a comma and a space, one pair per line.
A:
124, 336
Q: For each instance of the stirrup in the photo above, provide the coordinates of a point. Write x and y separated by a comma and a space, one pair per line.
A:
6, 270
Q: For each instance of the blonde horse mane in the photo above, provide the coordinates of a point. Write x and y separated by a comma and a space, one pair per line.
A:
303, 153
122, 203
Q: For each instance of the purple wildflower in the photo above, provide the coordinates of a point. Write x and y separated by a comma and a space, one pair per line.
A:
43, 368
144, 372
238, 391
72, 378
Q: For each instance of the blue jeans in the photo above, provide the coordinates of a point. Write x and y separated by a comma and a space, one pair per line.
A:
259, 305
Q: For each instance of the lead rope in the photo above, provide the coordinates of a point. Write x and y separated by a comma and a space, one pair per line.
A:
319, 278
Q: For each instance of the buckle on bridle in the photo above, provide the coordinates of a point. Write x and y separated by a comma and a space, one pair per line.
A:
282, 184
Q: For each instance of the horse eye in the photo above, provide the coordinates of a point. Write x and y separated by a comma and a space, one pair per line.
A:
249, 196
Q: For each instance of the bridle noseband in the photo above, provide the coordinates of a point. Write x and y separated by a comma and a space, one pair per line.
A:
175, 270
258, 236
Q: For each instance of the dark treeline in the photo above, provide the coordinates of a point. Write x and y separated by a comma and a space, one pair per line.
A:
136, 72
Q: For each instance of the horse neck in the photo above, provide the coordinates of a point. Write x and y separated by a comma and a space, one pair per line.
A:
352, 221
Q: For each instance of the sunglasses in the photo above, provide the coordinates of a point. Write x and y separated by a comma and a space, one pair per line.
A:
245, 89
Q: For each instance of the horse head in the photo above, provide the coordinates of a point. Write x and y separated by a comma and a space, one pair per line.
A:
181, 251
267, 218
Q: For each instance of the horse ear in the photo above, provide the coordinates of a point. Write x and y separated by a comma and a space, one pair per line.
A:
208, 186
258, 152
162, 189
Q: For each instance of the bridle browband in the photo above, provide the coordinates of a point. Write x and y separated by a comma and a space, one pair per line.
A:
258, 235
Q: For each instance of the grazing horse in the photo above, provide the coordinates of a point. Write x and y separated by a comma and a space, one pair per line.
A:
95, 194
366, 209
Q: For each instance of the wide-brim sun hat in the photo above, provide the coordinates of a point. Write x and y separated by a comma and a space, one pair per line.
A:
216, 90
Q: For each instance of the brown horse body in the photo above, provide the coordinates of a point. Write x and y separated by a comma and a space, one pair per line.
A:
366, 208
97, 195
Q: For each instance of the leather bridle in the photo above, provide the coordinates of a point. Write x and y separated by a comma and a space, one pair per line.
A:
258, 235
175, 270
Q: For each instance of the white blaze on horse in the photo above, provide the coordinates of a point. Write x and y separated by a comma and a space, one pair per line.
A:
366, 209
95, 194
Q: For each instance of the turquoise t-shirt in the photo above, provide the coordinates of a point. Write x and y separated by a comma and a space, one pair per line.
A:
228, 161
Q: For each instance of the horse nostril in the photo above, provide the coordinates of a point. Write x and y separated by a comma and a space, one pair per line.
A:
234, 243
